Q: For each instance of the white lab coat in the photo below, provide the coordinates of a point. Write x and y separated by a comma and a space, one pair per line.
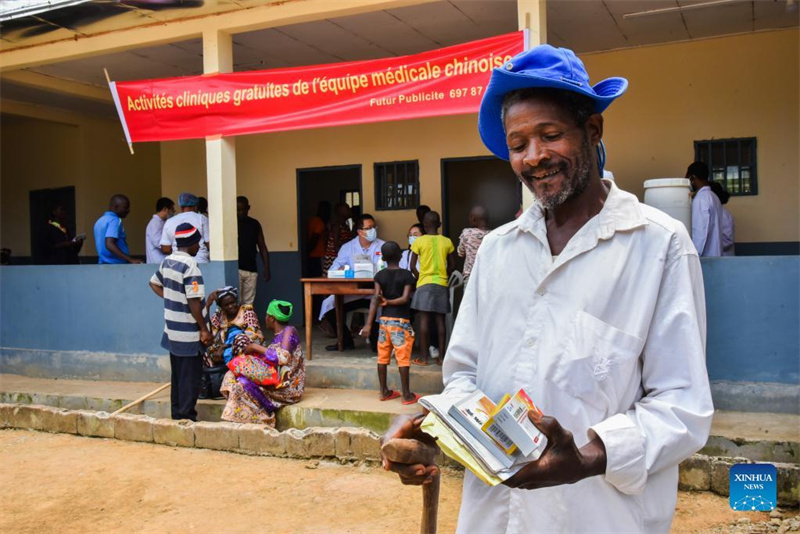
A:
152, 240
405, 260
609, 337
728, 237
707, 223
346, 256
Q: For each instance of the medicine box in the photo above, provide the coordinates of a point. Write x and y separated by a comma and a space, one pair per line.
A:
512, 420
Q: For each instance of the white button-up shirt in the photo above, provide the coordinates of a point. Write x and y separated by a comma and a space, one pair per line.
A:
610, 337
707, 223
405, 260
347, 256
152, 240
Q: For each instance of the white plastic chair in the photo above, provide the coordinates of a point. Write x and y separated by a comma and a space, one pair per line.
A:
456, 280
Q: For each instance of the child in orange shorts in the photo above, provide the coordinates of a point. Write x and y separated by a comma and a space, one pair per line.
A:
393, 288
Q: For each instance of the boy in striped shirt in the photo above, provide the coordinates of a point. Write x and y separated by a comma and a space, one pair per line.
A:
180, 283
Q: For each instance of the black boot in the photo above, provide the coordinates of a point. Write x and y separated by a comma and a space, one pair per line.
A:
205, 386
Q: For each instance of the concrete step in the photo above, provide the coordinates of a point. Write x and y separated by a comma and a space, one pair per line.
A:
358, 370
763, 437
760, 437
318, 408
353, 369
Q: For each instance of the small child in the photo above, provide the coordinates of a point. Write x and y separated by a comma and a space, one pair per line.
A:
471, 238
436, 255
393, 288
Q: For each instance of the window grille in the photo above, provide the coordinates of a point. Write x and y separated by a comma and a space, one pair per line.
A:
731, 162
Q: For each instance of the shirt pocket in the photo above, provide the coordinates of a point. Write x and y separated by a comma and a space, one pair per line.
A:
598, 363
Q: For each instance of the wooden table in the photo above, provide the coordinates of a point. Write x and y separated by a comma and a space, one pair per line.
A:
338, 287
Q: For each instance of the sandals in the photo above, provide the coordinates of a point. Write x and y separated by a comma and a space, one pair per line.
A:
419, 361
391, 395
412, 401
396, 394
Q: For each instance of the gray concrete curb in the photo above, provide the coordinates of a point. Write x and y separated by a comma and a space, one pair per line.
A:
345, 443
712, 473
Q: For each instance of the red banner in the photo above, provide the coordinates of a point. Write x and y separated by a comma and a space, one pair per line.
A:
447, 81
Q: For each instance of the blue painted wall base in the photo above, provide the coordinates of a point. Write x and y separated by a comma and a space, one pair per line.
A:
91, 308
753, 310
69, 319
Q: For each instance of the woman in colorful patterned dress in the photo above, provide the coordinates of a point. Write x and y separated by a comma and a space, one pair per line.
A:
249, 402
230, 316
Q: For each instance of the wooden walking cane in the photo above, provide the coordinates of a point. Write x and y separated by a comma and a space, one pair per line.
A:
142, 399
411, 451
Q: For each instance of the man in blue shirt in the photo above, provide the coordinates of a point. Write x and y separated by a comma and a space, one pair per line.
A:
109, 234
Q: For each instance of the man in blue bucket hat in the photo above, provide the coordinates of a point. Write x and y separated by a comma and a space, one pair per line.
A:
593, 304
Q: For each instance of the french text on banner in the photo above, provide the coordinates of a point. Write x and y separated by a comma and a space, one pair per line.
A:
446, 81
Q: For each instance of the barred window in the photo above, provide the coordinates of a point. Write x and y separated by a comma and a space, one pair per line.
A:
397, 185
731, 162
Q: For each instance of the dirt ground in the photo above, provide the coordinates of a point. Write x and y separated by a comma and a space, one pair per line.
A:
62, 483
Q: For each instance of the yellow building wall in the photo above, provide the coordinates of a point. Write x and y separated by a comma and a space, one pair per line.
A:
740, 86
267, 164
183, 168
72, 150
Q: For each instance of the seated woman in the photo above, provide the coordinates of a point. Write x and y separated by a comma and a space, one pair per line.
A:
227, 323
253, 397
230, 317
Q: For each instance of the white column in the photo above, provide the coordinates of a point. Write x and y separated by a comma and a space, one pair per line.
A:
220, 160
532, 16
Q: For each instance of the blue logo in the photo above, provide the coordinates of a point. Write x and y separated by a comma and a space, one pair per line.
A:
753, 487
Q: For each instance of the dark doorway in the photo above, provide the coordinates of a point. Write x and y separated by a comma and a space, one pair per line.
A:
482, 180
41, 202
332, 184
487, 181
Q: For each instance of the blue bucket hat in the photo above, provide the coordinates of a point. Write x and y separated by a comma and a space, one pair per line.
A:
543, 66
187, 200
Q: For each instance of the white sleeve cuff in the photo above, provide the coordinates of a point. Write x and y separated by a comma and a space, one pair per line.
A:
626, 468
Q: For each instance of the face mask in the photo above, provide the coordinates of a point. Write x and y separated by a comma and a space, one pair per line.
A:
411, 239
371, 234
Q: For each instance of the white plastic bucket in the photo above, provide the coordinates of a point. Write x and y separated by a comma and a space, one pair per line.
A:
670, 195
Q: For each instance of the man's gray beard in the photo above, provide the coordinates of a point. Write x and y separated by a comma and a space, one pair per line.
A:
576, 184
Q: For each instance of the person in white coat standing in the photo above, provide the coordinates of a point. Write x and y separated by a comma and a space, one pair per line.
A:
706, 212
591, 302
728, 232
